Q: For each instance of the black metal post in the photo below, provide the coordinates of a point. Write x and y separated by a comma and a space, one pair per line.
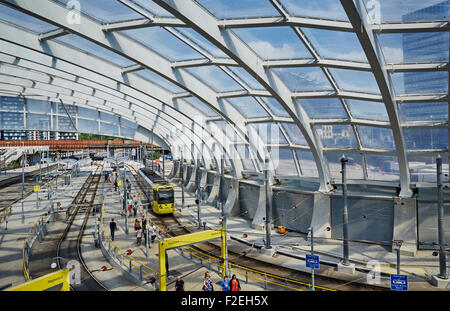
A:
441, 225
344, 161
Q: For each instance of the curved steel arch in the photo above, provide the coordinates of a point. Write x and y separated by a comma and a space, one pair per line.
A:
193, 15
128, 48
22, 81
359, 19
142, 83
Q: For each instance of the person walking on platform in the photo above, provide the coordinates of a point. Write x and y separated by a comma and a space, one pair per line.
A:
234, 284
207, 283
139, 236
113, 228
137, 224
225, 284
144, 226
115, 184
179, 284
153, 232
135, 203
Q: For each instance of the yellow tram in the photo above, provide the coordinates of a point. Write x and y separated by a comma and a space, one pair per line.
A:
163, 199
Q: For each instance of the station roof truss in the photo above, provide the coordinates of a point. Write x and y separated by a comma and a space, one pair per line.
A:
299, 82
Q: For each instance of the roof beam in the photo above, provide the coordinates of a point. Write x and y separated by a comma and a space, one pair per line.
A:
359, 19
53, 34
411, 27
215, 31
292, 21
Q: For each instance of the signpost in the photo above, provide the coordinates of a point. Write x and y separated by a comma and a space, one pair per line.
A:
399, 282
312, 261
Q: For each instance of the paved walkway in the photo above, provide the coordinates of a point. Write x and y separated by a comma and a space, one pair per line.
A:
191, 272
15, 230
291, 249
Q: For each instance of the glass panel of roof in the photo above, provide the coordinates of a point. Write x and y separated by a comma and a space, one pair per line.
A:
307, 163
336, 44
336, 136
380, 167
197, 103
423, 112
109, 117
128, 123
159, 80
39, 121
432, 82
87, 113
38, 106
65, 124
304, 79
273, 42
245, 77
12, 120
94, 49
228, 130
323, 108
248, 106
12, 103
294, 134
408, 11
326, 9
269, 132
423, 169
24, 20
376, 137
87, 126
164, 43
356, 81
127, 132
109, 129
415, 47
152, 8
275, 107
245, 157
105, 11
283, 161
367, 110
214, 77
224, 9
200, 41
354, 165
433, 138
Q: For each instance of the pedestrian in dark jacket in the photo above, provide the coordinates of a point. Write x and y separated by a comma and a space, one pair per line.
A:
113, 227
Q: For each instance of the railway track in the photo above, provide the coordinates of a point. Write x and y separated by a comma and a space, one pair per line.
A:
251, 267
69, 245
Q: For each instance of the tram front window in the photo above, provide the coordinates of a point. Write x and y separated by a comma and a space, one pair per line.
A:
165, 196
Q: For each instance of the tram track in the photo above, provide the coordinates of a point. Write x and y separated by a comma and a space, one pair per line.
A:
69, 245
251, 267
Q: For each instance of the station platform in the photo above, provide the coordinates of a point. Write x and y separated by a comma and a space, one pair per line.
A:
191, 272
16, 227
16, 173
290, 249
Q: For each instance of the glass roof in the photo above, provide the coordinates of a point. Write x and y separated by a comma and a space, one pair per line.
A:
317, 68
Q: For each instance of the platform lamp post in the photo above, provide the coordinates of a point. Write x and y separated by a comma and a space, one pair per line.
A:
197, 181
268, 203
23, 175
223, 214
182, 181
311, 232
441, 227
40, 165
125, 197
344, 161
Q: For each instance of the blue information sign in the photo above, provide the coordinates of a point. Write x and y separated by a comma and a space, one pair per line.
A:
399, 282
312, 261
